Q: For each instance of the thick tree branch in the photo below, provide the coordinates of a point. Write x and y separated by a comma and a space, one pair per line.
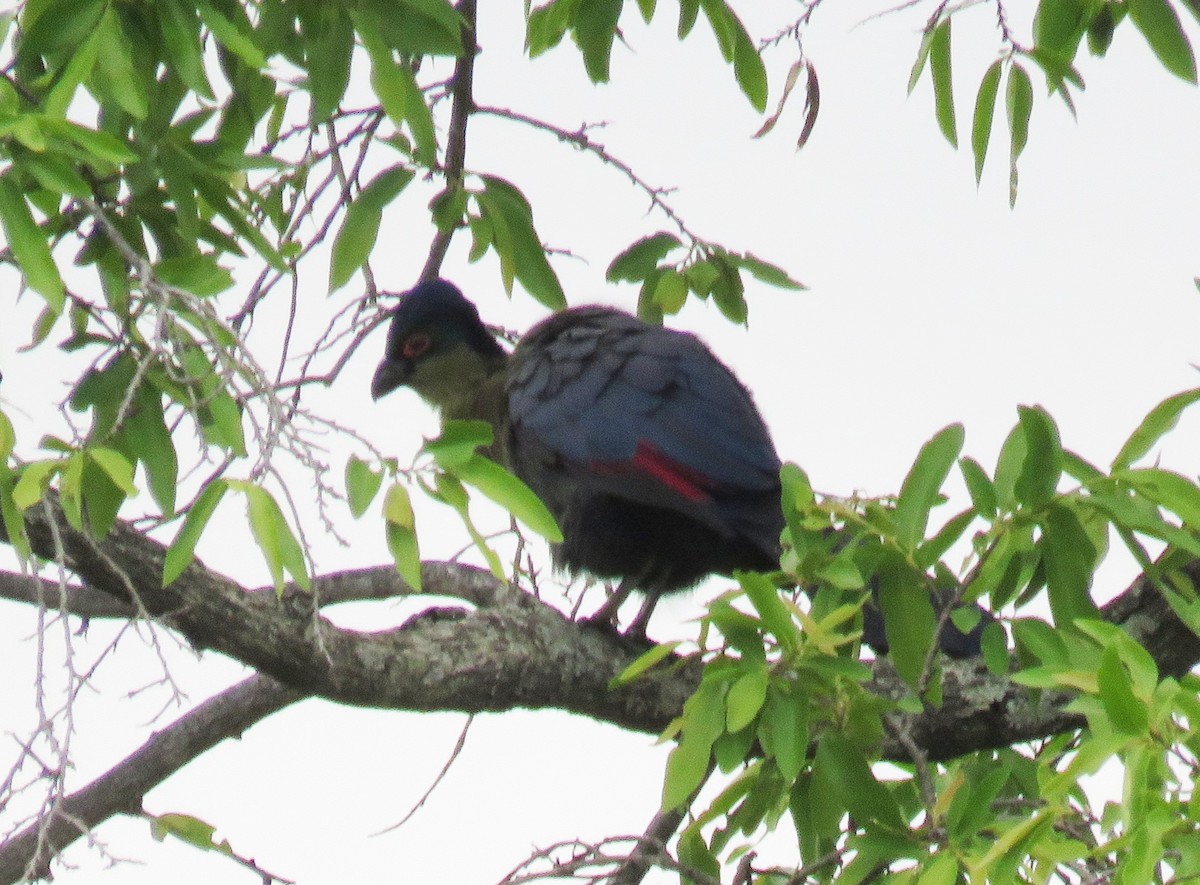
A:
512, 650
509, 650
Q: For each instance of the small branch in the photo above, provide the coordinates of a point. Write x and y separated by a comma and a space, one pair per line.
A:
920, 765
83, 602
579, 139
454, 754
462, 106
650, 847
120, 790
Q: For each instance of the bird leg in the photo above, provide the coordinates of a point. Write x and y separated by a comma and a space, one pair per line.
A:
637, 630
606, 615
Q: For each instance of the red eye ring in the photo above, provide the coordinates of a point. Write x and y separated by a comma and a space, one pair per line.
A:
417, 345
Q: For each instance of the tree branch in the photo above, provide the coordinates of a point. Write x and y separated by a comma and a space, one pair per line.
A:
463, 105
27, 855
512, 650
509, 650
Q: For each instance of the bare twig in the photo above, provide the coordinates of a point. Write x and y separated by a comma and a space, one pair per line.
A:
454, 754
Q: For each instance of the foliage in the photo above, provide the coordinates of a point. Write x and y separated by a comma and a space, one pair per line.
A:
998, 815
157, 155
1059, 30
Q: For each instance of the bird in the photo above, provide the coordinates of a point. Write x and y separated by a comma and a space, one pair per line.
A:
646, 448
643, 445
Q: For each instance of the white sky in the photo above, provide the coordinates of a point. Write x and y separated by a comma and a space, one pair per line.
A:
930, 302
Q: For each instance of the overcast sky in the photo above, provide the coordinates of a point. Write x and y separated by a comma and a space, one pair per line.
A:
930, 302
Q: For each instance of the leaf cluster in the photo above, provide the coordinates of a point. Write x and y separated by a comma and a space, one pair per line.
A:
786, 723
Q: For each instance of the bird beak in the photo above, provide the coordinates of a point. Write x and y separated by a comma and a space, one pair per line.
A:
388, 377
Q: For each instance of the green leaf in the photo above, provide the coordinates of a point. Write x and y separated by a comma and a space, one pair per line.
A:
182, 549
116, 466
1070, 558
1126, 710
55, 173
329, 41
777, 620
786, 715
1058, 26
189, 829
458, 441
103, 485
644, 663
418, 27
80, 66
360, 228
908, 617
640, 260
985, 108
274, 537
942, 869
994, 648
231, 36
1139, 515
689, 10
846, 771
771, 274
1037, 638
221, 423
979, 486
180, 25
746, 697
199, 274
1042, 466
32, 481
921, 487
1018, 101
922, 56
510, 493
695, 855
103, 147
648, 310
1171, 490
671, 291
1008, 467
147, 437
401, 536
943, 85
396, 85
362, 484
748, 67
688, 764
70, 488
11, 523
595, 26
728, 291
115, 64
546, 25
1160, 420
29, 245
1163, 31
1101, 28
8, 438
937, 546
505, 202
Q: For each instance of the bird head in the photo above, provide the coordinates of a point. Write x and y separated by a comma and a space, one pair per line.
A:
438, 346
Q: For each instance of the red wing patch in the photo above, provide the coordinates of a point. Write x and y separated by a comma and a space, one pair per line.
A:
679, 478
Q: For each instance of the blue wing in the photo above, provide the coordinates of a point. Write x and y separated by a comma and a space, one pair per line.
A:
644, 413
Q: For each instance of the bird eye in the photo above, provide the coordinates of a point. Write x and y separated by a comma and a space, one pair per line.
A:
417, 345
